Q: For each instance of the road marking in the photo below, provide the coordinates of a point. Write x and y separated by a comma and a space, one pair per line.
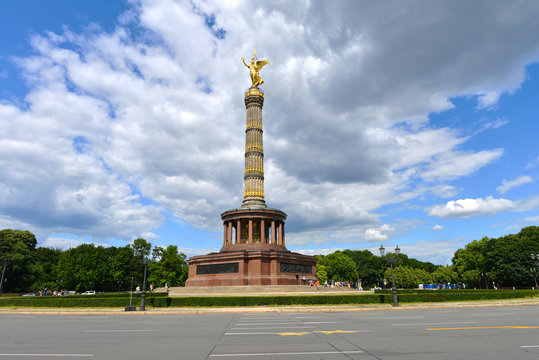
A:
50, 355
486, 327
290, 353
89, 317
439, 323
335, 331
271, 323
392, 318
21, 316
307, 317
530, 346
497, 314
252, 333
294, 334
120, 330
261, 318
321, 322
149, 322
273, 327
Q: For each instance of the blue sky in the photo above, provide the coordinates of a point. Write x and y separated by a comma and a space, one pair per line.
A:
415, 127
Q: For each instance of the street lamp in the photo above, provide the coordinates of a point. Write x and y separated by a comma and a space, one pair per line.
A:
145, 260
535, 261
391, 260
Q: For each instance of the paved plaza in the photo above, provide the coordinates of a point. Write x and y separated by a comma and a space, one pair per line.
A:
496, 332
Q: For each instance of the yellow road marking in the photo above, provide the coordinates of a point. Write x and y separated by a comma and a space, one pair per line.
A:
486, 327
327, 332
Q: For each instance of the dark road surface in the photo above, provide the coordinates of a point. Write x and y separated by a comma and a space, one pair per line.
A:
505, 333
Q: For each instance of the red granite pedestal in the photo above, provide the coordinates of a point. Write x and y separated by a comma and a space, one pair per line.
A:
253, 253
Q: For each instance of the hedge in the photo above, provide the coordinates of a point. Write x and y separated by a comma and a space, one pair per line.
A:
98, 301
231, 301
428, 291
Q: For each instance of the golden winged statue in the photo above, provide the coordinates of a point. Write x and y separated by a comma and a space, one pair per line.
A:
255, 66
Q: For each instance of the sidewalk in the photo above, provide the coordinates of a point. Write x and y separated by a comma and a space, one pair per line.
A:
260, 309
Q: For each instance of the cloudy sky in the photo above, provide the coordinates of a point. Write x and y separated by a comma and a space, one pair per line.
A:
412, 123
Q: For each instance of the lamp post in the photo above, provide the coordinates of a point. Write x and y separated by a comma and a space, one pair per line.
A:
535, 261
145, 260
391, 260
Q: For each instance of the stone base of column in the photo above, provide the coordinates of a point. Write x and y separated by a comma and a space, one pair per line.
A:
253, 202
235, 268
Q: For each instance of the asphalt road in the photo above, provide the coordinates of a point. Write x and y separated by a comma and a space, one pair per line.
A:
510, 332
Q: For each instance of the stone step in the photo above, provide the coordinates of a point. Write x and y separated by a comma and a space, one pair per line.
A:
259, 290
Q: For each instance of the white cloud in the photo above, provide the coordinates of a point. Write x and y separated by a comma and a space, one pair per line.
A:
189, 252
378, 234
492, 124
465, 208
453, 165
437, 227
436, 252
66, 243
533, 163
122, 126
509, 184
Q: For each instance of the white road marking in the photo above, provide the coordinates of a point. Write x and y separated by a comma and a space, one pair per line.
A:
271, 323
308, 317
494, 314
21, 316
273, 327
150, 322
252, 333
290, 353
437, 323
50, 355
120, 330
392, 318
273, 333
530, 346
322, 322
89, 317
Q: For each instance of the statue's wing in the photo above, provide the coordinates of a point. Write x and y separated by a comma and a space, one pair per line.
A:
261, 63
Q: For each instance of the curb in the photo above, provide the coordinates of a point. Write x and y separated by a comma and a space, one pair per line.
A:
260, 309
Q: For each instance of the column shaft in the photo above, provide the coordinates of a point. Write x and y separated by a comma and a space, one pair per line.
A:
250, 231
262, 231
273, 232
238, 232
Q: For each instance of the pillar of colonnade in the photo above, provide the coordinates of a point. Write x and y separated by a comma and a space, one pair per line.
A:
273, 232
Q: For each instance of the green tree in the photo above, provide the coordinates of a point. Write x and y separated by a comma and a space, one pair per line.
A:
46, 263
171, 268
407, 277
470, 262
508, 258
339, 267
86, 267
370, 268
142, 244
17, 249
505, 260
444, 275
124, 266
321, 273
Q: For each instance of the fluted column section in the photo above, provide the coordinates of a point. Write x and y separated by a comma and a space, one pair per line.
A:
253, 190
